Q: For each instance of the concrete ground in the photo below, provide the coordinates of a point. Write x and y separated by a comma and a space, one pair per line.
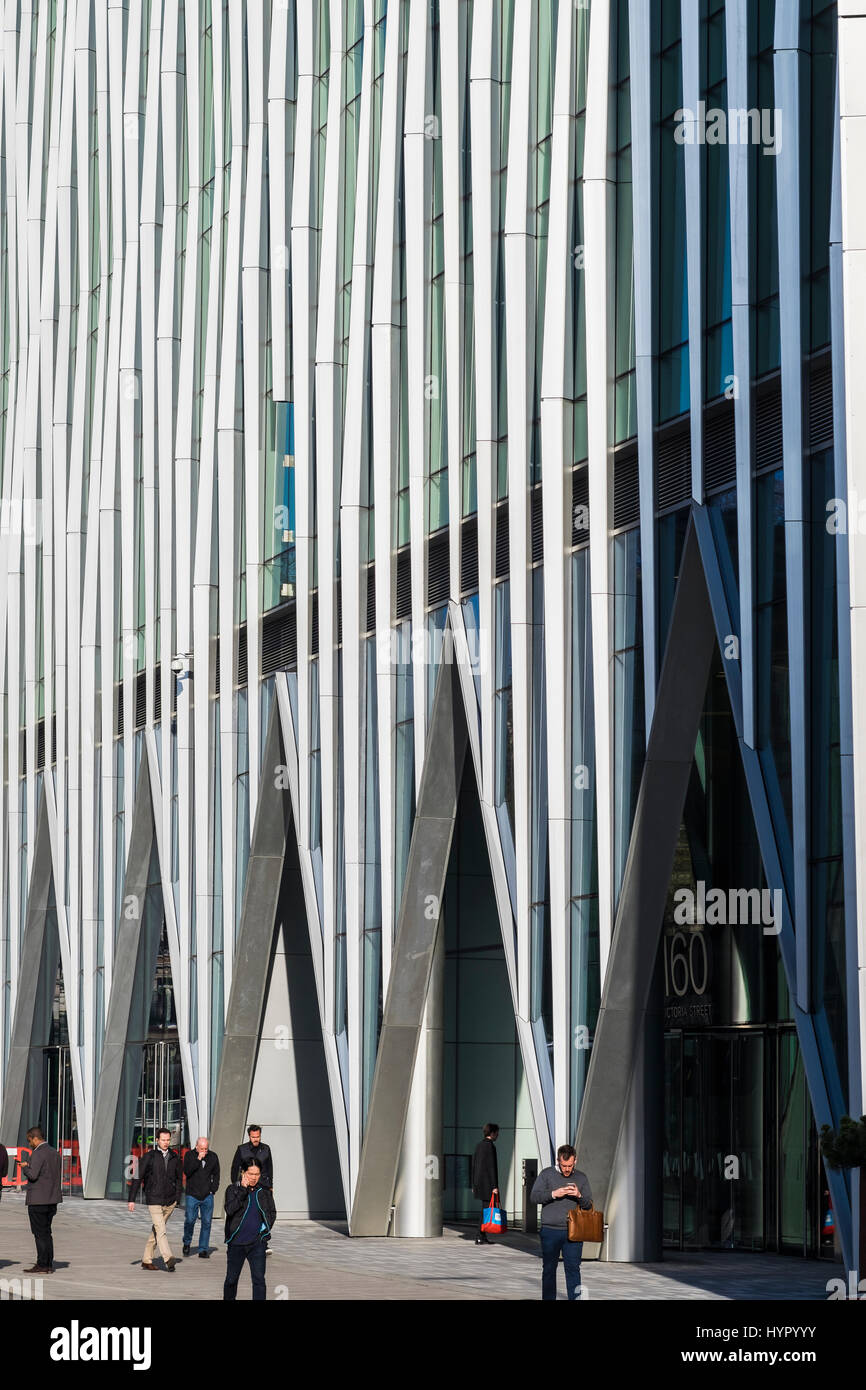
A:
98, 1249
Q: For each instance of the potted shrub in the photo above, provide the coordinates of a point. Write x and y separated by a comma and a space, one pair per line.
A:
845, 1147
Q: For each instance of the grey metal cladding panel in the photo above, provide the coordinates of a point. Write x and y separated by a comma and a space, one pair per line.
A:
687, 655
254, 951
237, 1067
658, 814
128, 950
255, 945
15, 1089
417, 927
419, 914
645, 883
383, 1136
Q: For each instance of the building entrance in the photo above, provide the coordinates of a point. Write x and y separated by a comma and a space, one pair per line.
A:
58, 1115
160, 1097
741, 1165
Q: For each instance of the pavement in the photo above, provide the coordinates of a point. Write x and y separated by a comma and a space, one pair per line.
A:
98, 1248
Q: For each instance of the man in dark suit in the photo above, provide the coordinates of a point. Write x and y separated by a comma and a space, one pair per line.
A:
4, 1165
42, 1173
485, 1175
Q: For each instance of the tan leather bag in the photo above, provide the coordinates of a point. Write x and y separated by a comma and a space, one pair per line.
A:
586, 1225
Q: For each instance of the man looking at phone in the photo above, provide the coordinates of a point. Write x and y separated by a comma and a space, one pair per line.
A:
559, 1190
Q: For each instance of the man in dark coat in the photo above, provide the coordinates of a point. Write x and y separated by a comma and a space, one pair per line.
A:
485, 1175
250, 1214
254, 1150
42, 1172
161, 1176
4, 1165
201, 1168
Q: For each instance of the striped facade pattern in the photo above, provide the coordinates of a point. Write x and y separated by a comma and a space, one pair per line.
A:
307, 315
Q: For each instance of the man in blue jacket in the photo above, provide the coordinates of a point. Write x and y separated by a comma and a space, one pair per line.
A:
560, 1190
250, 1214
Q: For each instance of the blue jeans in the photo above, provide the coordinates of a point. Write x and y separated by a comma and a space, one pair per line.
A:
554, 1239
235, 1257
196, 1207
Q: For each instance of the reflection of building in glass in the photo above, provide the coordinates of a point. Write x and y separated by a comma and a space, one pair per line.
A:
379, 338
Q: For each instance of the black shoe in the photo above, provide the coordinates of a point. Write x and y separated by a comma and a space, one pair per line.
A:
186, 1249
169, 1265
481, 1240
204, 1254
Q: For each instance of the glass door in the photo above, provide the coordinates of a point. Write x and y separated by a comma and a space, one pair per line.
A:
161, 1101
714, 1140
58, 1115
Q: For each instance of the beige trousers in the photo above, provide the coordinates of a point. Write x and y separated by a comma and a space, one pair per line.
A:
158, 1237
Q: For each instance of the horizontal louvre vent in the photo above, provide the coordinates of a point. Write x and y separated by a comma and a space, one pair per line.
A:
157, 695
720, 450
437, 570
40, 744
673, 467
371, 598
404, 585
768, 426
469, 556
140, 701
537, 527
580, 506
338, 611
280, 640
314, 623
501, 520
242, 655
626, 498
118, 711
821, 407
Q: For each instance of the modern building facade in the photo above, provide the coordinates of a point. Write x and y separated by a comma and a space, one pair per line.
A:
432, 575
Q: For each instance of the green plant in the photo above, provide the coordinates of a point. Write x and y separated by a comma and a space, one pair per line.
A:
846, 1146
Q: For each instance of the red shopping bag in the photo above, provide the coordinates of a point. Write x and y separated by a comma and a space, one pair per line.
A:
493, 1223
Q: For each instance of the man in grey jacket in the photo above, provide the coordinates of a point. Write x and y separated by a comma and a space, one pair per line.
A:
559, 1190
42, 1172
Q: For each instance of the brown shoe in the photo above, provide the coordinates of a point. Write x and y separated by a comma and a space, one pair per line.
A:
147, 1266
38, 1269
170, 1264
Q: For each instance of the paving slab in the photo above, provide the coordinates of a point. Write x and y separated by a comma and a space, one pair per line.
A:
99, 1244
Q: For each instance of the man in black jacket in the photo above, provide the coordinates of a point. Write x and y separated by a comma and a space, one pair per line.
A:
42, 1172
250, 1214
485, 1175
161, 1177
201, 1168
255, 1149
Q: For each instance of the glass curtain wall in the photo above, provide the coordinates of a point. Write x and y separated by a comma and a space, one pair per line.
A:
584, 947
625, 401
672, 324
718, 339
626, 693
